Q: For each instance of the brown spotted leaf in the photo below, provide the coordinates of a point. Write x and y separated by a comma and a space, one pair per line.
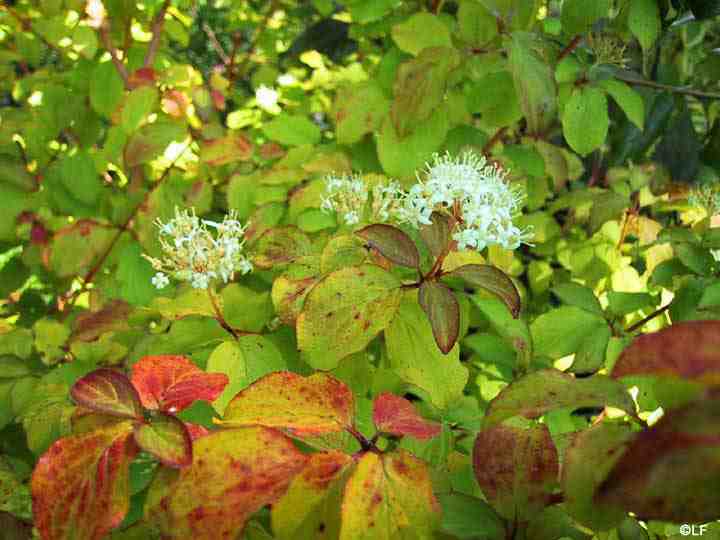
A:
80, 486
107, 391
389, 496
234, 473
517, 467
167, 438
443, 311
90, 325
492, 280
311, 506
344, 311
671, 471
396, 415
687, 350
281, 245
172, 383
558, 390
392, 243
305, 406
226, 150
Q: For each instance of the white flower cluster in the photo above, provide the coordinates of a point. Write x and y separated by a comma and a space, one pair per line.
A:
194, 254
475, 193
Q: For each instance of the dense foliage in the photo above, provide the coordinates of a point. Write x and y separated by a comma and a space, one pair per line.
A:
359, 270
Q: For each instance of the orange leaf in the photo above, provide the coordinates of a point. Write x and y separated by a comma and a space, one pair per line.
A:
396, 415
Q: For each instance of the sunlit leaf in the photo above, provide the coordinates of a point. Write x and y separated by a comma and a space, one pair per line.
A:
397, 416
167, 438
107, 391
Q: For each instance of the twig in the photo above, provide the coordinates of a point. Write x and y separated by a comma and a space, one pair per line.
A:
650, 317
570, 47
494, 140
216, 44
157, 27
668, 88
219, 316
104, 32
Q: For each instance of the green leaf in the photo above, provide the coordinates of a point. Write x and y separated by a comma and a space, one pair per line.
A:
14, 495
166, 438
14, 173
644, 22
578, 295
534, 82
311, 506
244, 361
306, 406
585, 120
265, 462
246, 309
392, 243
389, 496
624, 303
559, 332
358, 109
138, 105
578, 16
518, 480
421, 31
494, 97
560, 390
80, 178
292, 130
443, 312
704, 9
106, 89
476, 24
414, 356
638, 480
696, 258
587, 462
344, 311
492, 280
469, 518
80, 486
590, 356
628, 99
150, 141
50, 338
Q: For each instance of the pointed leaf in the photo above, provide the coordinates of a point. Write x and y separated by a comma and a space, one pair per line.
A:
516, 467
585, 119
389, 496
438, 235
494, 281
396, 415
686, 350
443, 312
344, 311
392, 243
80, 485
305, 406
559, 390
107, 391
171, 383
235, 472
167, 439
681, 451
311, 506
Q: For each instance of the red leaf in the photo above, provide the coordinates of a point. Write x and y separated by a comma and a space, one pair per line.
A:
396, 415
687, 350
492, 280
80, 486
196, 430
142, 77
109, 392
443, 312
171, 383
167, 438
438, 235
392, 243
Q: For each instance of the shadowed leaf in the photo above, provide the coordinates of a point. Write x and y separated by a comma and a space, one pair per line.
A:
235, 472
516, 468
305, 406
107, 391
671, 472
389, 496
493, 280
437, 236
311, 506
396, 415
559, 390
687, 350
392, 243
443, 312
171, 383
80, 485
167, 438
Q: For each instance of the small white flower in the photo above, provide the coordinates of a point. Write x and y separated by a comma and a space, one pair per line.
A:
160, 280
267, 98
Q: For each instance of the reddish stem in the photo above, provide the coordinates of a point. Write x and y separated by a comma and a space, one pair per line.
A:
570, 47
